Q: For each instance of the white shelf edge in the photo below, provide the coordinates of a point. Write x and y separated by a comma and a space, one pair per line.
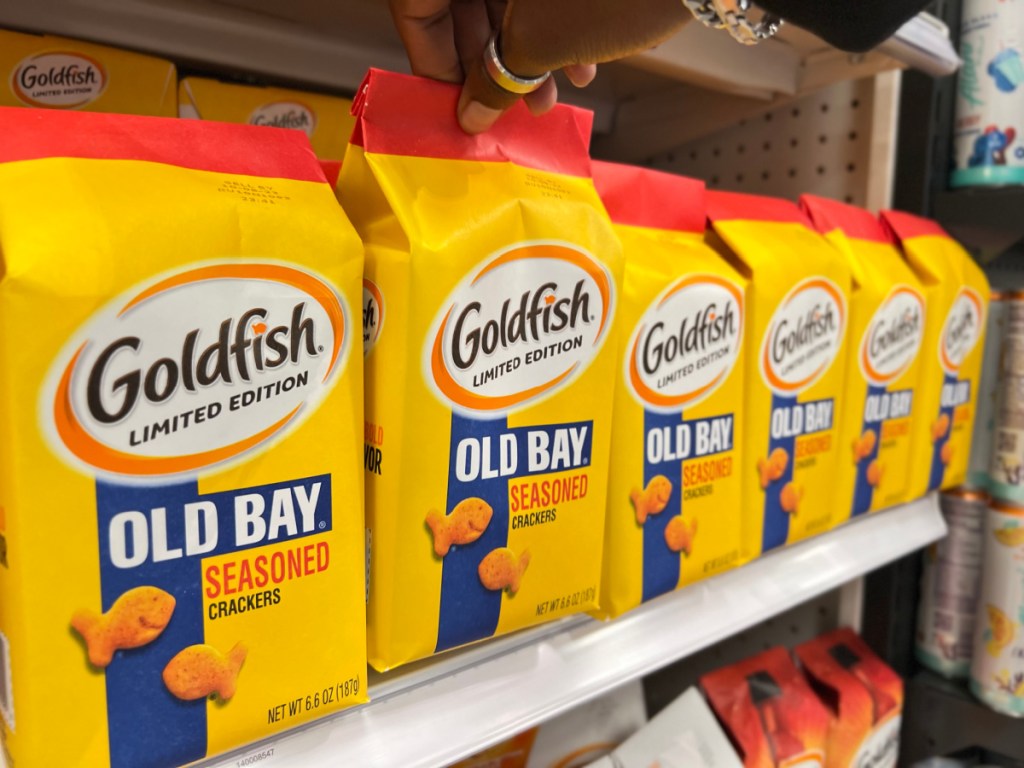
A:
449, 709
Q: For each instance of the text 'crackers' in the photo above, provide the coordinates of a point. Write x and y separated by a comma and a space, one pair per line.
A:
675, 496
883, 365
179, 465
956, 293
797, 310
490, 379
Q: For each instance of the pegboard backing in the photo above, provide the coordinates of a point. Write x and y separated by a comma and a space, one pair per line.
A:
836, 143
798, 625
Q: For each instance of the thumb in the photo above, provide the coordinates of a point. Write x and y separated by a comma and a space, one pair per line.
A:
482, 101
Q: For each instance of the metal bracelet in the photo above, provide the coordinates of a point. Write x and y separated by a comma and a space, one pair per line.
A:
731, 15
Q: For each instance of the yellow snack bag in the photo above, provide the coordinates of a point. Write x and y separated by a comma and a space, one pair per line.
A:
326, 120
956, 292
179, 462
797, 309
490, 379
887, 327
60, 73
675, 495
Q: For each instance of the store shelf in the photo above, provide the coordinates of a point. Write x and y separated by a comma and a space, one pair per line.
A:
942, 718
468, 700
330, 44
985, 219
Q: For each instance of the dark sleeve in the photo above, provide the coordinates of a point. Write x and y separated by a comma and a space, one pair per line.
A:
851, 25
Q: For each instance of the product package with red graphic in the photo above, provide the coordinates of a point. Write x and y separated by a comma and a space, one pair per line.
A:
863, 695
769, 711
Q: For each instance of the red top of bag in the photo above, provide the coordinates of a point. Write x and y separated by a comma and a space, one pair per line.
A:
906, 225
641, 197
734, 206
856, 223
413, 116
34, 134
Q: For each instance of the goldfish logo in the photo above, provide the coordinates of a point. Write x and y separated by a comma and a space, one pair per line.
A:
686, 343
58, 79
285, 114
373, 315
522, 325
804, 336
893, 337
961, 331
196, 368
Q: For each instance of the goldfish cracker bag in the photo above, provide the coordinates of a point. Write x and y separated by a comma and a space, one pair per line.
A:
887, 325
956, 293
863, 697
326, 120
770, 711
179, 467
675, 496
490, 378
59, 73
797, 309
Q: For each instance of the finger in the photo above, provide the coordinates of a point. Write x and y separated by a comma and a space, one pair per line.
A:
581, 75
472, 28
428, 34
543, 99
496, 10
482, 101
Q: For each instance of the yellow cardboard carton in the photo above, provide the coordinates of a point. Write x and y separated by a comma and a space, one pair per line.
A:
675, 494
957, 295
59, 73
326, 120
798, 313
490, 380
887, 327
179, 459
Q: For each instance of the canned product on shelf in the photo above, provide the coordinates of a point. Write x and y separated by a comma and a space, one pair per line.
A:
949, 587
990, 107
997, 669
988, 391
1006, 464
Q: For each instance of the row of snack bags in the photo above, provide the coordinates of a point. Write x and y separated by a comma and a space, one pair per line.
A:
840, 708
183, 453
50, 72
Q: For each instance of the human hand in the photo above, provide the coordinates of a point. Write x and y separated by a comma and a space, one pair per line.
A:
446, 39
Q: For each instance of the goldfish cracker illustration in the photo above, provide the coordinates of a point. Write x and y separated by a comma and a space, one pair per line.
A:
499, 271
201, 670
214, 494
1002, 628
326, 120
956, 301
679, 535
790, 497
864, 446
875, 472
502, 569
796, 341
1010, 537
678, 390
135, 619
32, 68
884, 357
653, 499
464, 525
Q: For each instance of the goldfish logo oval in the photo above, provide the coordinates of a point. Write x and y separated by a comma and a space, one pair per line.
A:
373, 315
196, 368
804, 336
686, 343
522, 325
961, 330
285, 114
58, 79
893, 337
